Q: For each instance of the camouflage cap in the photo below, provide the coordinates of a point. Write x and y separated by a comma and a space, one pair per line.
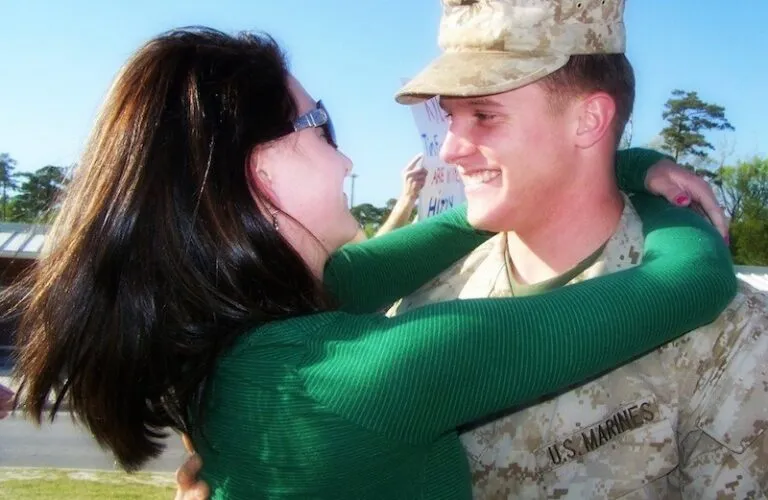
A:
493, 46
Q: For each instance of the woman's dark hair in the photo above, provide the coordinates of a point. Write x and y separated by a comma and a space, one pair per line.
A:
160, 257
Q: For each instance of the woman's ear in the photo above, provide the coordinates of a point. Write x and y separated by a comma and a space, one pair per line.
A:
260, 180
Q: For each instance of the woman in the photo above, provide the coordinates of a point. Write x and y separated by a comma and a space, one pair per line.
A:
189, 280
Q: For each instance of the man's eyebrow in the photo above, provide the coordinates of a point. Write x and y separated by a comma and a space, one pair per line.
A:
487, 102
474, 101
484, 101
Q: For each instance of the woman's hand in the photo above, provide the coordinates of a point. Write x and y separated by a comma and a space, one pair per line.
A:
684, 188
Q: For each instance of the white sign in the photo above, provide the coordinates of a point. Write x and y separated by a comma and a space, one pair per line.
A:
443, 189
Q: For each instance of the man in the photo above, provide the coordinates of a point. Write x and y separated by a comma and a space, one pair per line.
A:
539, 92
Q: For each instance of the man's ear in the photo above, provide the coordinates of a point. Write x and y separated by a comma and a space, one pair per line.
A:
596, 116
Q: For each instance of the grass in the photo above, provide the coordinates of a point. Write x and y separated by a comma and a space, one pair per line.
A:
44, 484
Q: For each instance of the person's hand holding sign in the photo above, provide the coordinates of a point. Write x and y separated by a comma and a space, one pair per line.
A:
414, 178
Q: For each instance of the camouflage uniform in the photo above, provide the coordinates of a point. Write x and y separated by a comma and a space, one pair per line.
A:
678, 422
687, 420
722, 374
492, 46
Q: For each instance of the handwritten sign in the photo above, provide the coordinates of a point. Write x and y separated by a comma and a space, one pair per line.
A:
443, 189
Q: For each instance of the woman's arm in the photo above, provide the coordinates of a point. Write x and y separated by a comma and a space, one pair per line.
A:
369, 275
632, 166
432, 369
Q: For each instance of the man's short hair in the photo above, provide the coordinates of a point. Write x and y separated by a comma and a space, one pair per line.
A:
609, 73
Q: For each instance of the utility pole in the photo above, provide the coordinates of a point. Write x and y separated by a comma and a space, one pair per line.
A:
352, 191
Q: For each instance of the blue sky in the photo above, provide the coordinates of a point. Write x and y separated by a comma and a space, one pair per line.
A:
58, 58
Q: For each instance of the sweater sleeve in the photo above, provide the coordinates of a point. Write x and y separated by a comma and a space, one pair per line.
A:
632, 166
367, 276
423, 373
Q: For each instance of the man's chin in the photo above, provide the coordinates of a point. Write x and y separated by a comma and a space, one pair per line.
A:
484, 220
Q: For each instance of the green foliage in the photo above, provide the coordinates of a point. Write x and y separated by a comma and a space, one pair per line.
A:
49, 484
370, 229
29, 197
743, 190
7, 181
626, 137
749, 240
688, 117
371, 218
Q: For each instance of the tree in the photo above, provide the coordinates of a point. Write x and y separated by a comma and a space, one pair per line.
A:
38, 193
369, 217
626, 137
742, 185
388, 207
688, 117
743, 190
7, 180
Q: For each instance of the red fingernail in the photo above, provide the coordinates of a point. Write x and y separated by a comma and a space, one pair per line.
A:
681, 200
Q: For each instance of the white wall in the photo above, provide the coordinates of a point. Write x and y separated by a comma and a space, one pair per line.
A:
755, 276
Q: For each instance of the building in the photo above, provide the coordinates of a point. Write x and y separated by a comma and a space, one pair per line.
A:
20, 245
755, 276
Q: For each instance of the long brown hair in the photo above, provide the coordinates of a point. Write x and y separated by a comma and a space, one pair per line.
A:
160, 257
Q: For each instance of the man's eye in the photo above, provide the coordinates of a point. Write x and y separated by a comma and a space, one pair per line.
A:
484, 116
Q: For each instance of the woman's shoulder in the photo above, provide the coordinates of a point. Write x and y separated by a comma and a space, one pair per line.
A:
266, 358
279, 363
284, 333
327, 345
293, 339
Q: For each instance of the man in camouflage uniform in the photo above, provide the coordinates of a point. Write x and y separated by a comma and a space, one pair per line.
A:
686, 421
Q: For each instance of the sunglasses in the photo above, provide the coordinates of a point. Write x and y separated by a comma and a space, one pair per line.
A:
317, 117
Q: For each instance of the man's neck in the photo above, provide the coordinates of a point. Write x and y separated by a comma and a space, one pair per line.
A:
571, 231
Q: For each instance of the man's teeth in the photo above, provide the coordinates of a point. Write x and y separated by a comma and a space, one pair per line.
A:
480, 177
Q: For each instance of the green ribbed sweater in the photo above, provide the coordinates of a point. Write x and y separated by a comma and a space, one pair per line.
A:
352, 405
